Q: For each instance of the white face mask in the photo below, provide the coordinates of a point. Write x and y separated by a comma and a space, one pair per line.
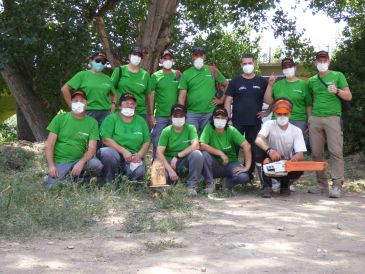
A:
220, 123
167, 64
322, 67
198, 63
77, 107
282, 120
178, 122
135, 60
127, 112
248, 69
289, 72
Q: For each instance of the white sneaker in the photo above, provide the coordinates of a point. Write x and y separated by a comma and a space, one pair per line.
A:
335, 192
275, 187
292, 188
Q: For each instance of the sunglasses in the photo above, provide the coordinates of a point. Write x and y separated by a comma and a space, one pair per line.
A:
98, 60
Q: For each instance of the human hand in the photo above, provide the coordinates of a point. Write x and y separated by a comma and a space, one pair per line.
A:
274, 155
173, 162
77, 169
272, 79
224, 158
136, 158
173, 175
53, 172
128, 157
240, 169
332, 88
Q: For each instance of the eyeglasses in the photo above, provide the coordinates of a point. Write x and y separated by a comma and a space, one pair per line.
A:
98, 60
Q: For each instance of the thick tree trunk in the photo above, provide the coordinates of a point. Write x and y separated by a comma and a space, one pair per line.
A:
154, 32
28, 102
23, 130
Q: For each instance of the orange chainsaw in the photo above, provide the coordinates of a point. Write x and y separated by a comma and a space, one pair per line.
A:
282, 167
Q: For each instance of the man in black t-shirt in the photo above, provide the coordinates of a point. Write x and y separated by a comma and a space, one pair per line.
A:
245, 93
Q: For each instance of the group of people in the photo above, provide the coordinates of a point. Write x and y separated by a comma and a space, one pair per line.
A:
197, 122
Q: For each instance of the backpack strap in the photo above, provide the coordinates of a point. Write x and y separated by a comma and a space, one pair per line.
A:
177, 75
218, 87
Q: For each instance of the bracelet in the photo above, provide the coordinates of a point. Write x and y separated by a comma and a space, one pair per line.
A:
337, 91
268, 151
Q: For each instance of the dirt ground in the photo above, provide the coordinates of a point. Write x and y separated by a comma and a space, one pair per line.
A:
303, 233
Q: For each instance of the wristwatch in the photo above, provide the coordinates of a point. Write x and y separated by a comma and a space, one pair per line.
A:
337, 91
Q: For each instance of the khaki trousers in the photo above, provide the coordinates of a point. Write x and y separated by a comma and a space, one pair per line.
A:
322, 129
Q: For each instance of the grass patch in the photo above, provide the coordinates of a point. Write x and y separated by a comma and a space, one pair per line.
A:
161, 245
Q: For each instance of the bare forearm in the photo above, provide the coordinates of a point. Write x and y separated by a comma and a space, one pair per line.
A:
66, 93
49, 155
189, 149
182, 97
246, 147
309, 111
345, 94
151, 103
161, 156
268, 95
111, 143
261, 143
210, 149
144, 149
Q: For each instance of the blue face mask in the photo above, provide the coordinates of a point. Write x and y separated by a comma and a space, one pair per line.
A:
98, 67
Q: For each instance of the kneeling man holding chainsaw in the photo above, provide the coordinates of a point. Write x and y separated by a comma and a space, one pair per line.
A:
279, 145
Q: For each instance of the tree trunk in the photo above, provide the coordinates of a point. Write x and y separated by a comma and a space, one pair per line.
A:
154, 32
23, 130
27, 101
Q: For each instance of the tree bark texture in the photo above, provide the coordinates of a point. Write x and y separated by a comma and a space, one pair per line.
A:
23, 130
27, 101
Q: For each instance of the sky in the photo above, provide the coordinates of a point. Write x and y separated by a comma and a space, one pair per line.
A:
321, 29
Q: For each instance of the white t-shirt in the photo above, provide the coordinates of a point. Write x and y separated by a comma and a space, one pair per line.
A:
286, 142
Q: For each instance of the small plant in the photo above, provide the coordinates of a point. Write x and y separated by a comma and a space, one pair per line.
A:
161, 245
8, 131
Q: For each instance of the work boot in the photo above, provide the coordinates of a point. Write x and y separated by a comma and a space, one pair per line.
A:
210, 187
192, 192
266, 192
318, 189
285, 191
335, 192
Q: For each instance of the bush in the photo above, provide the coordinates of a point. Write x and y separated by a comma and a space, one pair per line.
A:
8, 131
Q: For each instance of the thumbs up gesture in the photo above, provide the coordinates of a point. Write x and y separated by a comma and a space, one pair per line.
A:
332, 88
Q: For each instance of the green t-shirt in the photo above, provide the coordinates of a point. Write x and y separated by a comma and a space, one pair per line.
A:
73, 136
324, 102
166, 95
130, 136
97, 88
176, 142
200, 86
133, 82
298, 93
226, 141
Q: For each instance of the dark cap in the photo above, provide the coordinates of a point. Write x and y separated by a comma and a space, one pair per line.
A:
80, 93
127, 96
321, 54
220, 111
287, 61
166, 52
178, 108
136, 50
198, 50
98, 54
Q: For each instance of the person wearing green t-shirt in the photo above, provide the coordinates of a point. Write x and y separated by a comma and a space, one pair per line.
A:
162, 96
296, 90
178, 148
127, 140
71, 144
99, 89
218, 142
198, 90
133, 79
328, 88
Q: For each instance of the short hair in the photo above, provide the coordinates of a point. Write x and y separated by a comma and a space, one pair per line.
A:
248, 55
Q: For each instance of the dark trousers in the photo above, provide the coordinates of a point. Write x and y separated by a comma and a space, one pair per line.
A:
266, 181
250, 133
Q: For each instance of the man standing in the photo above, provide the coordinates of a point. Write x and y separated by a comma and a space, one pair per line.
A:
280, 140
198, 90
245, 94
71, 143
328, 88
162, 96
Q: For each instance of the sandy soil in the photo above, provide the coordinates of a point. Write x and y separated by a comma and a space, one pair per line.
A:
242, 234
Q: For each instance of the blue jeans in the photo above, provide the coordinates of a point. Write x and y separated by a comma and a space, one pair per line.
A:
92, 168
198, 120
114, 162
213, 169
161, 123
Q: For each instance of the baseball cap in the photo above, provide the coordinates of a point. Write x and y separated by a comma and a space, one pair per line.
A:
98, 54
220, 111
322, 53
136, 50
198, 49
282, 105
80, 93
166, 52
178, 108
127, 96
287, 61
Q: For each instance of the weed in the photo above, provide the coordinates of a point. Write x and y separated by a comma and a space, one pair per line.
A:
161, 245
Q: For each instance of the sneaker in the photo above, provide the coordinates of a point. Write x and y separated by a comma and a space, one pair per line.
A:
192, 192
266, 192
335, 192
275, 186
285, 191
292, 188
210, 187
317, 190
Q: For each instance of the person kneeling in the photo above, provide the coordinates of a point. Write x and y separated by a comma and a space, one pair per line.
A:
127, 140
280, 140
178, 148
71, 144
218, 143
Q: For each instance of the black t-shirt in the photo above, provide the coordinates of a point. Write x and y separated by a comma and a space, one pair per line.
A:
248, 96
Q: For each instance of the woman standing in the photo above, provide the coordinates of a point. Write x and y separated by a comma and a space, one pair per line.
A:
100, 92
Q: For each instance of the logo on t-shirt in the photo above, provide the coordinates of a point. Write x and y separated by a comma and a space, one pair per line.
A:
138, 133
140, 84
226, 148
298, 90
242, 87
257, 87
208, 75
